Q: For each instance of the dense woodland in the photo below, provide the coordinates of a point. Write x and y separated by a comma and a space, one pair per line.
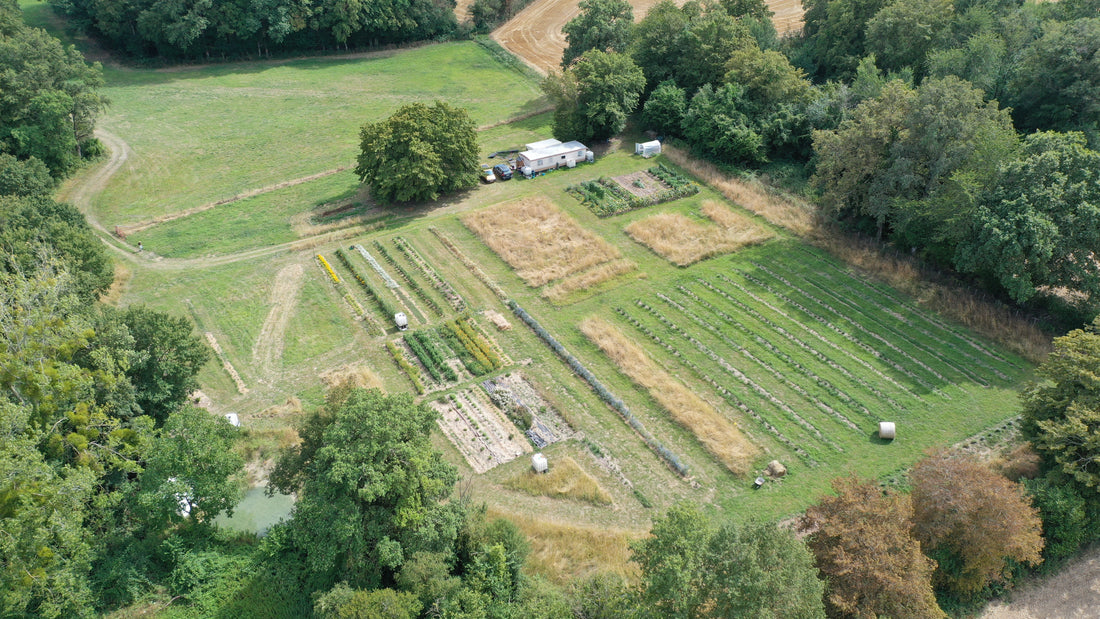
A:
110, 477
962, 132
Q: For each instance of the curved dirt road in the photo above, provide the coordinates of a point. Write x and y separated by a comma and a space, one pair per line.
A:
534, 34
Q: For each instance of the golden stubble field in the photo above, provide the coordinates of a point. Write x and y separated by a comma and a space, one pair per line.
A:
535, 33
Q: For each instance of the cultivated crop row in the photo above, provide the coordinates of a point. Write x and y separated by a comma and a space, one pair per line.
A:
413, 284
429, 273
382, 303
471, 347
430, 351
390, 282
360, 313
409, 369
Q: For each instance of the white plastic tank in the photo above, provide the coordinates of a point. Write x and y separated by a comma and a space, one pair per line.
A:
401, 320
233, 419
538, 462
589, 156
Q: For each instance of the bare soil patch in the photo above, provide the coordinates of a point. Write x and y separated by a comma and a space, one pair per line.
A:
683, 240
539, 241
642, 184
479, 430
718, 435
268, 348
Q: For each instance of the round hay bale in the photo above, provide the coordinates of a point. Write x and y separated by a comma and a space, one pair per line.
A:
886, 430
776, 469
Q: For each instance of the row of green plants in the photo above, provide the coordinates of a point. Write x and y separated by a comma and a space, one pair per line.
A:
375, 296
428, 349
469, 264
611, 399
471, 346
517, 412
361, 314
719, 387
410, 370
672, 178
429, 272
413, 284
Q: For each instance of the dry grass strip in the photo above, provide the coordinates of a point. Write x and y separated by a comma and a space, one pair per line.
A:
563, 552
539, 241
718, 435
798, 218
683, 240
587, 279
565, 480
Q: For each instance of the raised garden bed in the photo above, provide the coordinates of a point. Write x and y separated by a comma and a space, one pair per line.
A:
611, 196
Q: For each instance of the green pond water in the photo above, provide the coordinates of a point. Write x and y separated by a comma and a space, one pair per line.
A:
257, 512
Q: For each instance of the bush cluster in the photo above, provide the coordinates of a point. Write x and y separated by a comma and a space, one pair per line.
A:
426, 349
410, 370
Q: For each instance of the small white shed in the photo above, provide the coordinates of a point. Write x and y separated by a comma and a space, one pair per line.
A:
401, 320
647, 149
550, 154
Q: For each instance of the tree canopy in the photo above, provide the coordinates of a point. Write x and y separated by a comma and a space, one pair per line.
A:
419, 153
594, 96
602, 24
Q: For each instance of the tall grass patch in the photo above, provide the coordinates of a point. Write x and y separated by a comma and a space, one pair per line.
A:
538, 240
565, 480
719, 436
683, 240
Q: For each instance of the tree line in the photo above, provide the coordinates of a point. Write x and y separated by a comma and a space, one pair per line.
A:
205, 29
963, 132
50, 99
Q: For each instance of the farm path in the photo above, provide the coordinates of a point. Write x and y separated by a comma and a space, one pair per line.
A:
535, 35
1072, 593
268, 349
86, 188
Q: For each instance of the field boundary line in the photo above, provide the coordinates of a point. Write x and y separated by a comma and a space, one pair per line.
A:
126, 230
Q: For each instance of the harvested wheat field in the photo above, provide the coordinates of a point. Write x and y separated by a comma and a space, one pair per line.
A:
719, 435
534, 34
683, 240
565, 480
539, 241
587, 280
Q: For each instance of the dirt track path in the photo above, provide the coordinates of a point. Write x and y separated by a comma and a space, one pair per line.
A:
1072, 593
534, 34
268, 349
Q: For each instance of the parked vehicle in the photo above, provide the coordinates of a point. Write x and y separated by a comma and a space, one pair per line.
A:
487, 175
502, 171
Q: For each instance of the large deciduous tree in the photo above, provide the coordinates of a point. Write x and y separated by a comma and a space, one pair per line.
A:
691, 569
419, 153
973, 521
1062, 413
594, 97
1057, 85
1038, 223
863, 542
602, 24
369, 488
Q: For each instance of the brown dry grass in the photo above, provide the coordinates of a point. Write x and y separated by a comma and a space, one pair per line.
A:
718, 435
539, 241
352, 375
587, 279
798, 218
565, 480
683, 241
563, 552
121, 282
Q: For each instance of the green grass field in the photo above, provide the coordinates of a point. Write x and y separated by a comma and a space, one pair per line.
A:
208, 133
804, 354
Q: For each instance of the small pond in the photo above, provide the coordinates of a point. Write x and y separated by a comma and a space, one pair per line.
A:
257, 512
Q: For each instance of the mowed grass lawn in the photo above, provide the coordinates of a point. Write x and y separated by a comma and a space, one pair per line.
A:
206, 133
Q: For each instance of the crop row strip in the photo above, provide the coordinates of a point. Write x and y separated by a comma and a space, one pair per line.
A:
469, 264
830, 388
455, 408
890, 294
367, 288
410, 370
739, 375
905, 320
827, 324
415, 285
767, 367
820, 356
600, 390
859, 325
429, 273
728, 395
360, 313
390, 282
469, 339
427, 350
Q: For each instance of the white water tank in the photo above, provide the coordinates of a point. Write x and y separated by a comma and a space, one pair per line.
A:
538, 462
233, 419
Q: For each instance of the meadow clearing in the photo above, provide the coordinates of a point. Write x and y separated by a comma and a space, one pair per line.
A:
769, 349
